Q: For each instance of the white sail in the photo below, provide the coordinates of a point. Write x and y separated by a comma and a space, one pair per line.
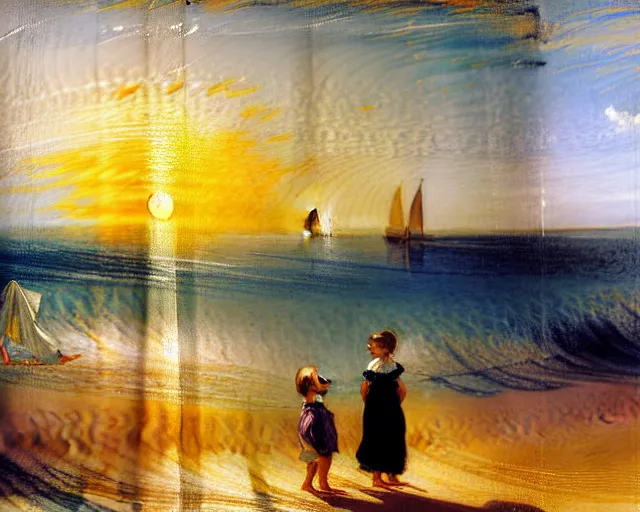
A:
18, 322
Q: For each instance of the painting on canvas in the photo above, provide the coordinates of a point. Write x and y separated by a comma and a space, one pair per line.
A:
319, 255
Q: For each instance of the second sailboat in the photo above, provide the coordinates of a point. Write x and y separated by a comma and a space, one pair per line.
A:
397, 231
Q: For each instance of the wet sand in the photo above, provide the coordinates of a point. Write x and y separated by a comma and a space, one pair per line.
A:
570, 449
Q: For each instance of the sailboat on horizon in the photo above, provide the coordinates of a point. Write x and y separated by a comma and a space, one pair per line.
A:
397, 231
312, 226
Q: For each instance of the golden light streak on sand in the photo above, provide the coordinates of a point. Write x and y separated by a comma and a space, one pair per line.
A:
162, 349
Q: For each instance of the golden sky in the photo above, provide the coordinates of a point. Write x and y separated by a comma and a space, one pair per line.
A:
221, 181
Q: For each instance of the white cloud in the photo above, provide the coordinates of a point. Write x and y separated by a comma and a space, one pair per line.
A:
624, 120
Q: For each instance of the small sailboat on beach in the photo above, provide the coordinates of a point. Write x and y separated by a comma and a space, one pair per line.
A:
18, 309
397, 231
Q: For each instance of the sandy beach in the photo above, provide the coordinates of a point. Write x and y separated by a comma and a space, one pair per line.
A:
564, 450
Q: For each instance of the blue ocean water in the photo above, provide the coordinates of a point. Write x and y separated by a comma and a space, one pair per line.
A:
475, 314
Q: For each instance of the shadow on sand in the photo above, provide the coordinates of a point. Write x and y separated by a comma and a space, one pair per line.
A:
398, 500
509, 506
19, 488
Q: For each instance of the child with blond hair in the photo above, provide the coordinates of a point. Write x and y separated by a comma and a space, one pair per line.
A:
316, 428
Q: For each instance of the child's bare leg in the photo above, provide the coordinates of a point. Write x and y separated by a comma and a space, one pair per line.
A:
393, 479
324, 463
307, 485
377, 481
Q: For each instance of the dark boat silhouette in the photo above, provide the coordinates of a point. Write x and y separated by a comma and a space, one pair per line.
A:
312, 224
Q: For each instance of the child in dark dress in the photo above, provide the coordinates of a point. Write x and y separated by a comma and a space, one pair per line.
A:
316, 428
383, 448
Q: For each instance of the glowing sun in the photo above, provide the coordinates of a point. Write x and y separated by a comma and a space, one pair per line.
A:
160, 205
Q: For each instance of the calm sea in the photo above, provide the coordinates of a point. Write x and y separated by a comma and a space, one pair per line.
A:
476, 314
